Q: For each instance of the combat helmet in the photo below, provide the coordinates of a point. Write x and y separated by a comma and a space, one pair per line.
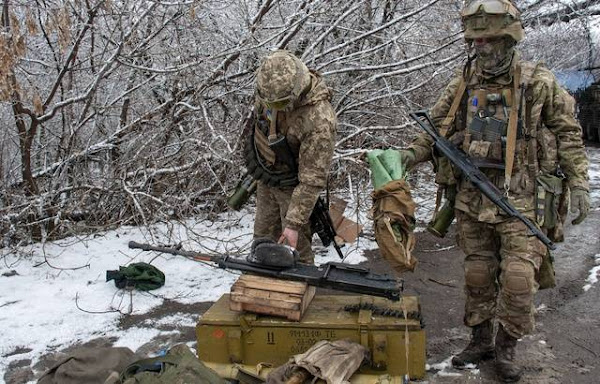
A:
491, 18
281, 79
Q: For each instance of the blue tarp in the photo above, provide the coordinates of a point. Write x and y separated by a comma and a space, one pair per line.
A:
574, 81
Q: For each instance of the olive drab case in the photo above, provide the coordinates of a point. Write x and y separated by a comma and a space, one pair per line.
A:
392, 332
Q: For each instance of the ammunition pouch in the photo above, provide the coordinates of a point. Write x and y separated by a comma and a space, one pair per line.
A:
546, 276
551, 213
484, 142
551, 205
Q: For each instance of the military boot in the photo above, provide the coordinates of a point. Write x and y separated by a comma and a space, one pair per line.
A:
480, 348
506, 368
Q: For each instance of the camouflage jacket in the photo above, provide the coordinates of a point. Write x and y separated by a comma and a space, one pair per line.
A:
310, 130
550, 138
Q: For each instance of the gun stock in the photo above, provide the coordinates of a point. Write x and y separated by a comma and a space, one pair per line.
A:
474, 175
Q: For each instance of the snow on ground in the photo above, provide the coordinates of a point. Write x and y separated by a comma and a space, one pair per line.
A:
57, 295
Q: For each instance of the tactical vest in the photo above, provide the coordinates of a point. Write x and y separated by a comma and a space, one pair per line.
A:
273, 163
487, 121
492, 123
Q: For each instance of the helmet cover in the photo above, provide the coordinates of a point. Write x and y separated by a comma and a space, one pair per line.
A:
281, 79
492, 18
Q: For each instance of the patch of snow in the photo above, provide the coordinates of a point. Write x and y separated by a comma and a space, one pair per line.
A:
445, 369
594, 273
178, 319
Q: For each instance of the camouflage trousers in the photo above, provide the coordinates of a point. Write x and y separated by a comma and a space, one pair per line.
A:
271, 207
501, 267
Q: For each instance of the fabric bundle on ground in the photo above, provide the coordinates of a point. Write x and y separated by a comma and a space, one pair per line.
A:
88, 365
332, 361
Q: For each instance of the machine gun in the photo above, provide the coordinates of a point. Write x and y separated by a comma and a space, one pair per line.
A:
473, 174
345, 277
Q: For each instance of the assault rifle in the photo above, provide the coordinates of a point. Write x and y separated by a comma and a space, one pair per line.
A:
473, 174
344, 277
322, 225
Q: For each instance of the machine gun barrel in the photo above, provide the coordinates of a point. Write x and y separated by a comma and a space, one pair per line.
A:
474, 175
339, 276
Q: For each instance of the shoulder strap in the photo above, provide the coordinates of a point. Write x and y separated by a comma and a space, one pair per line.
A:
449, 119
511, 135
522, 76
460, 91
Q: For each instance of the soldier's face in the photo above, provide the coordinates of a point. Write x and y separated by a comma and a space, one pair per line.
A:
492, 52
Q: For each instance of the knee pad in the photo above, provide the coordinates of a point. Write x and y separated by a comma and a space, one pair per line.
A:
518, 277
477, 275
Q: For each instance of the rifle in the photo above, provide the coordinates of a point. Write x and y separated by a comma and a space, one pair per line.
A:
345, 277
322, 225
474, 175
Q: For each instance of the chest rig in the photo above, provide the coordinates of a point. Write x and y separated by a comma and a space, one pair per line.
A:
487, 119
268, 155
492, 121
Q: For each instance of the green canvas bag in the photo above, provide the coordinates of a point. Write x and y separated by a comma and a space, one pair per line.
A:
142, 276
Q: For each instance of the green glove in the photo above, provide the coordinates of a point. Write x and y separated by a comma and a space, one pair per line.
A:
580, 200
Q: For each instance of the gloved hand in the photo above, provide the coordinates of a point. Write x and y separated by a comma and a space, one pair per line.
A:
580, 200
407, 156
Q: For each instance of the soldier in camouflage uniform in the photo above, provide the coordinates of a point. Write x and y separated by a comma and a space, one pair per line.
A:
290, 150
517, 124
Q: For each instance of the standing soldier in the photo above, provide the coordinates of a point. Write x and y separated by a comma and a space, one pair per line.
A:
290, 149
517, 125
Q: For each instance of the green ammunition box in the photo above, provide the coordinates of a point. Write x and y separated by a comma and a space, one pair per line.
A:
396, 341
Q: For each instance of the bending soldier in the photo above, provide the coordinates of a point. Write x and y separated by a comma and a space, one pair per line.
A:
290, 150
517, 124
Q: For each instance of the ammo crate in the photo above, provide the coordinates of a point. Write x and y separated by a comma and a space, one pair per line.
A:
396, 344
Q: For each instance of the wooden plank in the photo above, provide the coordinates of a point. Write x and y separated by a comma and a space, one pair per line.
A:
270, 284
267, 295
284, 304
267, 310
